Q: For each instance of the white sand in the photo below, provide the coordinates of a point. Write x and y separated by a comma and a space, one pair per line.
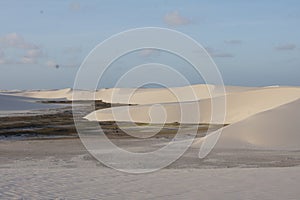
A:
266, 118
276, 129
158, 95
239, 106
62, 169
259, 117
136, 96
82, 183
44, 94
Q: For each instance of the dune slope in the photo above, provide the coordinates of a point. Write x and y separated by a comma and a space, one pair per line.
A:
238, 106
276, 129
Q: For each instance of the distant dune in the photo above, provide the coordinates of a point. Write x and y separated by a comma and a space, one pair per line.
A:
136, 96
44, 94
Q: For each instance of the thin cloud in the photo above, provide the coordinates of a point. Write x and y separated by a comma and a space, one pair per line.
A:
14, 40
31, 57
2, 57
175, 19
75, 6
217, 53
27, 60
50, 63
233, 42
148, 52
1, 54
34, 53
14, 43
285, 47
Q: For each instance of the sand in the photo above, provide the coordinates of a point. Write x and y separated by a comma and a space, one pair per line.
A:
43, 94
238, 106
275, 129
231, 184
135, 96
256, 157
265, 118
63, 169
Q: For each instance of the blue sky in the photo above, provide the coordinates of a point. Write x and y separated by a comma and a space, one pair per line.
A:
253, 43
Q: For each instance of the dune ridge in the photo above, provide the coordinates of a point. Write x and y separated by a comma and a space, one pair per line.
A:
238, 107
135, 96
44, 94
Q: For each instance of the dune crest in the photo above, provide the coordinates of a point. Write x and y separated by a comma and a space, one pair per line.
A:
136, 96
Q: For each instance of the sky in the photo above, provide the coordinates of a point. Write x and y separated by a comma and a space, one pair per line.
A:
253, 43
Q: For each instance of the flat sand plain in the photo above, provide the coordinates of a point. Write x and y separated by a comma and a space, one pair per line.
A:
63, 169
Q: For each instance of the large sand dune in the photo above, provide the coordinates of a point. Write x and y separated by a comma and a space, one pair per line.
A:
277, 129
238, 106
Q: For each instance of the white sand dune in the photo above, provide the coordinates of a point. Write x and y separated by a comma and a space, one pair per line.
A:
276, 129
156, 95
44, 94
239, 106
165, 95
136, 96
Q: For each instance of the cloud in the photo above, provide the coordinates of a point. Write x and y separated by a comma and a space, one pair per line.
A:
1, 54
217, 53
2, 57
34, 53
285, 47
31, 56
175, 19
27, 60
148, 52
14, 40
233, 42
51, 63
14, 44
74, 6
